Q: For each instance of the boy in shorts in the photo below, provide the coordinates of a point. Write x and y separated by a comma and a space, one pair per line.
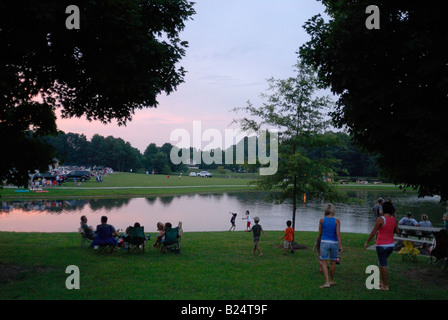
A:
256, 230
288, 238
232, 221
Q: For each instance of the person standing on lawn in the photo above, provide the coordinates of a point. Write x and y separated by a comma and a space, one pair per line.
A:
288, 238
385, 226
248, 220
256, 230
330, 243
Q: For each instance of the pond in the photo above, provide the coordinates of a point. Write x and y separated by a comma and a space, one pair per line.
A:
205, 212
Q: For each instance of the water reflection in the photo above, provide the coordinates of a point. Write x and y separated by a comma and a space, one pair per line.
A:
204, 212
108, 204
50, 206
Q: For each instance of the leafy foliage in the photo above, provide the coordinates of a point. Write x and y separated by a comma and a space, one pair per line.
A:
297, 113
125, 53
392, 85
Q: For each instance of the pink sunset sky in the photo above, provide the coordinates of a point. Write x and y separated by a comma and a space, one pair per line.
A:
234, 46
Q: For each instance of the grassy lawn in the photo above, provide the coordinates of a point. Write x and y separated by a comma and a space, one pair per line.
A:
378, 187
136, 184
123, 184
211, 265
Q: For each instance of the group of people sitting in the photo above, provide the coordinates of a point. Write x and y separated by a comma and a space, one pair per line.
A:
163, 234
408, 220
106, 234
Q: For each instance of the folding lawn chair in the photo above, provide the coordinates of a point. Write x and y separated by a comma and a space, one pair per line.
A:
172, 238
409, 252
84, 238
104, 240
136, 239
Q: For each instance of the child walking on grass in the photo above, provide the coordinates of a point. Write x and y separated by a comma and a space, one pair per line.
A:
256, 230
288, 238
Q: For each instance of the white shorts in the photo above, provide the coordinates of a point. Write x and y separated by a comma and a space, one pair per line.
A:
287, 244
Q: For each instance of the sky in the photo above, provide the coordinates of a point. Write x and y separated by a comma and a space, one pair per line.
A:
234, 47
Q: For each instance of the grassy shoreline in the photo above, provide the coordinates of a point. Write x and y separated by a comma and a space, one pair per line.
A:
211, 266
139, 185
132, 185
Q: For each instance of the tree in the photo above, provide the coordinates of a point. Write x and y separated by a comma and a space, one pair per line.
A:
124, 54
160, 163
23, 149
149, 154
115, 153
293, 109
353, 162
71, 148
392, 84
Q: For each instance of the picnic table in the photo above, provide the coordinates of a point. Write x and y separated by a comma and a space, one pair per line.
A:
414, 240
416, 234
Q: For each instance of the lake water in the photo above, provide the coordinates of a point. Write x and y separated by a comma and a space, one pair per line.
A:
205, 212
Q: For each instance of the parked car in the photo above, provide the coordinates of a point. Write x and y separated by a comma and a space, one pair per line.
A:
205, 174
192, 174
77, 175
45, 175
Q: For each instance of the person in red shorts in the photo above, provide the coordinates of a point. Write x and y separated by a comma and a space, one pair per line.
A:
248, 220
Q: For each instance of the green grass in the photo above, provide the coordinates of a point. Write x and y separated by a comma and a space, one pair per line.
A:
139, 185
378, 187
211, 265
134, 185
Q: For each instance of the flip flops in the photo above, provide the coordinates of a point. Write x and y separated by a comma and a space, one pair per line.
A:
324, 286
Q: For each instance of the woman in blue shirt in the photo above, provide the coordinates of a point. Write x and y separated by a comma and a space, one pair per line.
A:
330, 243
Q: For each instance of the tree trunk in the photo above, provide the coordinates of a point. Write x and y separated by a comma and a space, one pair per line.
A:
294, 205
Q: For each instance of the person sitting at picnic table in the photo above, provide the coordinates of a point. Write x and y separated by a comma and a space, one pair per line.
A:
105, 234
425, 223
408, 221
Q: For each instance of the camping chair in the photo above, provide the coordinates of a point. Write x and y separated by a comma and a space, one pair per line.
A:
84, 238
136, 239
439, 248
104, 240
409, 252
172, 239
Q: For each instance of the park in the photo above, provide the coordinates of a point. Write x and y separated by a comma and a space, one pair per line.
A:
212, 265
345, 104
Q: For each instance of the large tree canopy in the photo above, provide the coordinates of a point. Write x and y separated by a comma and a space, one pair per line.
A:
392, 83
124, 54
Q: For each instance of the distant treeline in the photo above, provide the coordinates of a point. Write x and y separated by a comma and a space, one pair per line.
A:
75, 149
